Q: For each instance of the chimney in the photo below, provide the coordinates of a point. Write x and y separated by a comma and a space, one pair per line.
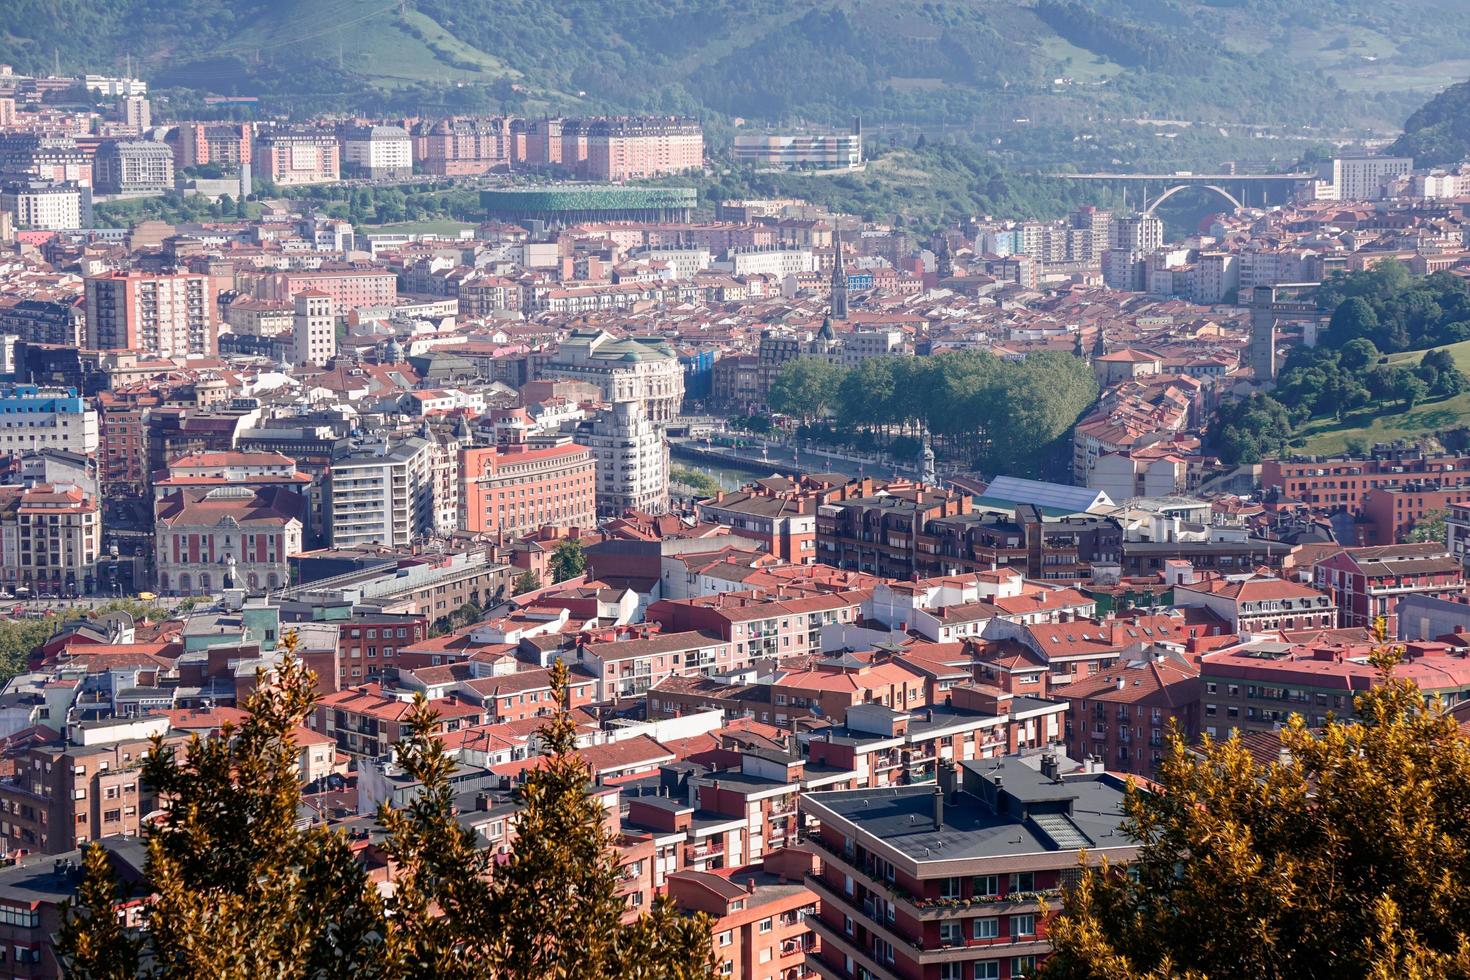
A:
1122, 683
750, 886
938, 808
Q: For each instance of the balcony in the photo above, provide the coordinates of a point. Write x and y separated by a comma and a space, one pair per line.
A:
931, 908
704, 850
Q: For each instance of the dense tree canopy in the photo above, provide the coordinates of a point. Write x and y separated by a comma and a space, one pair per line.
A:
1000, 416
1346, 858
1395, 310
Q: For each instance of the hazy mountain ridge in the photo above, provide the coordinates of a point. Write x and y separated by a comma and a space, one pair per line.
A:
940, 60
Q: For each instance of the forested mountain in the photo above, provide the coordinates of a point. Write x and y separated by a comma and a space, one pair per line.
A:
974, 64
1439, 132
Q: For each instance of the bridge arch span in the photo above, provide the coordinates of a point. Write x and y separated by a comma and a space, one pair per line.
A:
1182, 187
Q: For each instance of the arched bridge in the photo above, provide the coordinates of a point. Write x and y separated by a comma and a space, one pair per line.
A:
1234, 202
1243, 188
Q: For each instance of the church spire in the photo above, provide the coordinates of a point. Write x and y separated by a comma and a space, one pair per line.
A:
839, 277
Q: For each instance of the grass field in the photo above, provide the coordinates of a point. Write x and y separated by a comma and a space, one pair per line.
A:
1460, 352
1373, 424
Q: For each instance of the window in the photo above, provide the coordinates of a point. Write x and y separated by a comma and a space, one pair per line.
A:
1022, 966
1022, 881
949, 888
727, 937
765, 925
951, 933
1023, 925
951, 971
984, 886
987, 970
987, 928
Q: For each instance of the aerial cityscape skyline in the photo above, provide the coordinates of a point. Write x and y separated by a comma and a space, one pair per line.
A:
772, 493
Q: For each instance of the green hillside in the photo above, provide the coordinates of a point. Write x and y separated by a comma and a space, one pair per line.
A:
978, 65
1439, 132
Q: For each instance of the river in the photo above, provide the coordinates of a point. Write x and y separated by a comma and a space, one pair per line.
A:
780, 459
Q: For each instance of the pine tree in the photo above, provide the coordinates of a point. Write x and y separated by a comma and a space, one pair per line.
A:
558, 898
553, 910
1346, 858
442, 903
239, 891
95, 942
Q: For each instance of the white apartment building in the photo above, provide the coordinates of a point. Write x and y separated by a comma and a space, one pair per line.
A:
32, 417
756, 260
313, 329
1358, 178
632, 460
43, 206
377, 152
383, 494
1216, 276
860, 345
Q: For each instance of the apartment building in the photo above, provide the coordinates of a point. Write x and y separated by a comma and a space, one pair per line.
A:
133, 167
80, 787
949, 879
1250, 603
382, 494
366, 721
784, 520
632, 460
313, 328
1367, 583
224, 144
628, 667
758, 626
1342, 482
35, 417
759, 920
880, 533
882, 746
50, 539
1122, 715
1258, 685
349, 286
369, 645
517, 489
43, 321
377, 152
57, 159
1390, 513
42, 205
167, 315
634, 148
610, 148
292, 158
